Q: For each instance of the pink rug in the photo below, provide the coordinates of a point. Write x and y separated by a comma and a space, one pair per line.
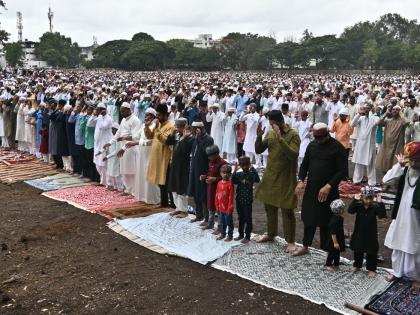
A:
92, 198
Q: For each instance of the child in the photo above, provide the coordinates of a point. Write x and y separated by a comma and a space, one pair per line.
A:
365, 232
335, 243
224, 203
211, 179
113, 164
244, 196
43, 148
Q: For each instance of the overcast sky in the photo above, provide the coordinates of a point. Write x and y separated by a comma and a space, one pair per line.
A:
166, 19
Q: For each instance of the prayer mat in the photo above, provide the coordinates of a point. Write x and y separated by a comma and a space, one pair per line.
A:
268, 264
92, 198
58, 181
398, 299
15, 157
13, 173
136, 211
348, 190
178, 236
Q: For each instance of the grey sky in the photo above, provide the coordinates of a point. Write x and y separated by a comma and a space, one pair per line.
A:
166, 19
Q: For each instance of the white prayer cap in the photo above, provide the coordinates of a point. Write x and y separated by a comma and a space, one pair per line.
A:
22, 98
320, 126
151, 111
115, 125
125, 105
147, 95
124, 93
305, 95
197, 124
215, 105
195, 87
344, 111
136, 95
101, 105
215, 87
231, 109
89, 92
203, 88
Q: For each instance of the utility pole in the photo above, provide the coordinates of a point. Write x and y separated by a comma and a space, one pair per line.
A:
19, 26
50, 18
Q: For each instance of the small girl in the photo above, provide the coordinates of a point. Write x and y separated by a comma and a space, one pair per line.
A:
43, 147
225, 192
365, 233
335, 243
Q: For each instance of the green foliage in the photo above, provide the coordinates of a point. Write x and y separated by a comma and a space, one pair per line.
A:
58, 50
391, 42
14, 54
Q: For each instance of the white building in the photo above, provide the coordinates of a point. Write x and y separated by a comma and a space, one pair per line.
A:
2, 56
29, 59
204, 41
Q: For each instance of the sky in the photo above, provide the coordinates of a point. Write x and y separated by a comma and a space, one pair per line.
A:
165, 19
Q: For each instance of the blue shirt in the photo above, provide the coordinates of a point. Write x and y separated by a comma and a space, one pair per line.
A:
79, 133
240, 103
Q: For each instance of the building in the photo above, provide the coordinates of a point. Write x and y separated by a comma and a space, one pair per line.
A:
204, 41
86, 53
29, 59
2, 56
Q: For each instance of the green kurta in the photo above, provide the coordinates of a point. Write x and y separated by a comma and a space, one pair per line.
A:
277, 187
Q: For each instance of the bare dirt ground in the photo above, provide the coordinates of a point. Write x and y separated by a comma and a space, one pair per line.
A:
56, 259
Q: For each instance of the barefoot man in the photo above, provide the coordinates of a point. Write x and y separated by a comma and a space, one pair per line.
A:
403, 236
276, 189
325, 165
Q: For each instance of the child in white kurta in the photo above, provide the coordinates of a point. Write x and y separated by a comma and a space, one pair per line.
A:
114, 180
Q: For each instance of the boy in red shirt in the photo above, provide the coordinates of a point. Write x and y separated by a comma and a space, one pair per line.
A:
225, 192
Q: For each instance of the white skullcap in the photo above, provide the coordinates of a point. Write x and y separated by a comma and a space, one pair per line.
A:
124, 93
231, 109
215, 105
67, 107
115, 125
151, 110
136, 95
320, 126
125, 105
344, 111
147, 95
305, 95
22, 98
101, 105
197, 124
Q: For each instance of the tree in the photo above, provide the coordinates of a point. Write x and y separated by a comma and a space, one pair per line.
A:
58, 50
152, 55
109, 54
14, 54
142, 38
370, 54
4, 36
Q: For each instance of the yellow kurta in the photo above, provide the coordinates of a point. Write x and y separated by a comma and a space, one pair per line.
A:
161, 153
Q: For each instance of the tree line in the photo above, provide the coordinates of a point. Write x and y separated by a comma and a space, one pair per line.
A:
391, 42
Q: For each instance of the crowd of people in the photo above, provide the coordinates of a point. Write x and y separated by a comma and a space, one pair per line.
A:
163, 137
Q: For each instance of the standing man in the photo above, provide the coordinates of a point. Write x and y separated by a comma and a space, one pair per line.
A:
325, 165
251, 120
393, 138
276, 189
404, 231
199, 166
161, 153
181, 140
129, 127
365, 149
216, 117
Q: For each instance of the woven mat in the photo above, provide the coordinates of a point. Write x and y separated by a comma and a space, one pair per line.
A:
15, 157
24, 171
58, 181
92, 198
268, 264
136, 211
398, 299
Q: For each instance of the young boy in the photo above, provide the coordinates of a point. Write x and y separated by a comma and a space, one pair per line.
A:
211, 179
335, 244
224, 203
113, 163
365, 232
245, 180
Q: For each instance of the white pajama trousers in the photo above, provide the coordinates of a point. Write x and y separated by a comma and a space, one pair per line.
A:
181, 202
128, 181
102, 173
406, 265
115, 182
359, 171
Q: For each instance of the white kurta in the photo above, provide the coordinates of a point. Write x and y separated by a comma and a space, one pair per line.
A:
333, 109
303, 129
251, 121
229, 136
404, 232
217, 124
129, 127
143, 190
102, 136
113, 162
265, 123
365, 149
20, 124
